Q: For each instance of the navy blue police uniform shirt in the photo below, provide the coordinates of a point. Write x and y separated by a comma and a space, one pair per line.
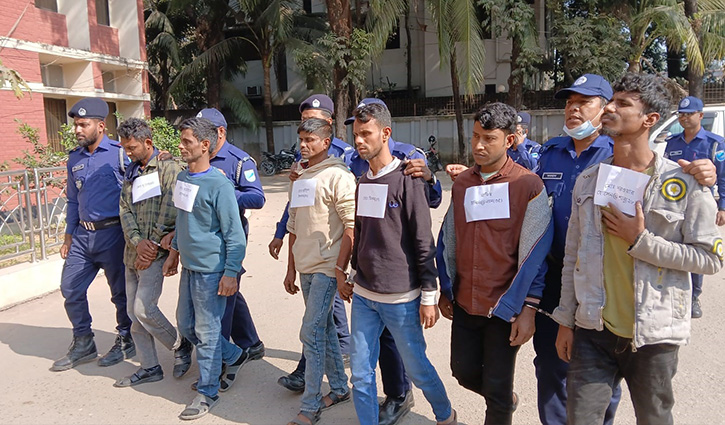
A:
522, 157
532, 147
94, 183
241, 170
558, 167
705, 145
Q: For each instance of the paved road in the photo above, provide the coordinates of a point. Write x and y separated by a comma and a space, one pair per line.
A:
32, 335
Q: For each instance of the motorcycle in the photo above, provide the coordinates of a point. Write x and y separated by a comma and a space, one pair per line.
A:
274, 163
432, 156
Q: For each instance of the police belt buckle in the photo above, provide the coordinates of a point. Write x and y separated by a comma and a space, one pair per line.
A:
100, 225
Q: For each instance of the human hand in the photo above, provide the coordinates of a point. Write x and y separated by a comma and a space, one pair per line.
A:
720, 220
289, 282
166, 240
65, 248
274, 247
227, 286
147, 250
345, 289
171, 265
622, 225
702, 169
446, 307
454, 170
417, 168
428, 315
141, 264
565, 343
523, 327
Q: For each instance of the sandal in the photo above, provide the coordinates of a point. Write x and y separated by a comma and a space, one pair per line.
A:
452, 420
198, 407
334, 399
312, 417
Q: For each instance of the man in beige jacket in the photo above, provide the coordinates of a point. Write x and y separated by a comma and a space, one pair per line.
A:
321, 220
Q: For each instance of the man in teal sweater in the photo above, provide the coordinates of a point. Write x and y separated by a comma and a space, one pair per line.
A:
211, 243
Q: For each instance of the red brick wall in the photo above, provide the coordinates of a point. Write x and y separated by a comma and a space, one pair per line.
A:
103, 39
36, 24
31, 111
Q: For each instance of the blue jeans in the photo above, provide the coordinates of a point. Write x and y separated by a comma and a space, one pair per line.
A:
403, 321
199, 316
319, 340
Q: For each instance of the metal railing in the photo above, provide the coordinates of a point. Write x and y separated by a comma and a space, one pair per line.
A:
32, 212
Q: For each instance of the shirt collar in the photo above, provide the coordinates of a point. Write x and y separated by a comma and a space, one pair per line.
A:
601, 141
133, 170
223, 151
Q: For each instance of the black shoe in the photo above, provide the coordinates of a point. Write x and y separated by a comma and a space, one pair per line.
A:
182, 358
394, 408
141, 376
254, 352
123, 348
295, 381
696, 308
81, 350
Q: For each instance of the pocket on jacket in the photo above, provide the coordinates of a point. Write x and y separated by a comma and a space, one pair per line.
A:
665, 223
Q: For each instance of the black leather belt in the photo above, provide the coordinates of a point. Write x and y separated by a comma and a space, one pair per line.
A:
100, 225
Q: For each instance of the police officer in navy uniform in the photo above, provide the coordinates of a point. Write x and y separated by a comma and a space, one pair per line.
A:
697, 143
93, 236
316, 106
241, 170
396, 384
523, 124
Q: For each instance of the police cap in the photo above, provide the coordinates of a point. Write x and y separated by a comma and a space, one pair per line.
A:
690, 104
523, 118
90, 107
213, 115
318, 101
588, 85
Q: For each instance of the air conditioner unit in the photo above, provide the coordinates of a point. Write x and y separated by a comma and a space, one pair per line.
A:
254, 90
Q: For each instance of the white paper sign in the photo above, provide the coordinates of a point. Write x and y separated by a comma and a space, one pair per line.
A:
487, 202
371, 200
303, 193
145, 187
184, 195
621, 187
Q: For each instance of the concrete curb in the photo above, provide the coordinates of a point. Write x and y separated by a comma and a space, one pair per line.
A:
25, 282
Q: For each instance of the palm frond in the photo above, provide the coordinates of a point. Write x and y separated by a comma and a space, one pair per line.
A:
383, 17
216, 54
469, 44
238, 103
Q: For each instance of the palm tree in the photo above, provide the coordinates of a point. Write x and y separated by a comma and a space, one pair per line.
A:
707, 20
162, 47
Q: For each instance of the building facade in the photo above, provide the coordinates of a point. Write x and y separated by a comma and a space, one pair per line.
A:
67, 50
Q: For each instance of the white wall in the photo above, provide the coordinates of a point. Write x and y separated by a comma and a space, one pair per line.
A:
124, 17
76, 17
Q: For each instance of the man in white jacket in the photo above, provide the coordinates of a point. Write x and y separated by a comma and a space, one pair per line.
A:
626, 293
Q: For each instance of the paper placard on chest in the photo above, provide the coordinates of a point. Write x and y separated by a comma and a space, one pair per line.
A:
371, 200
145, 187
487, 202
303, 193
185, 195
621, 187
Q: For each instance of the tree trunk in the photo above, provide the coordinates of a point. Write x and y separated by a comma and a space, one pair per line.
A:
694, 75
408, 53
461, 156
516, 90
268, 126
339, 16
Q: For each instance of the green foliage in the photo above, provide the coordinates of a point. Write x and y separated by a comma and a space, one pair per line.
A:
165, 136
41, 155
67, 137
586, 40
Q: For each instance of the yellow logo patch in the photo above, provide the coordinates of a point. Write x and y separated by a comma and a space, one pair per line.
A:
674, 189
717, 248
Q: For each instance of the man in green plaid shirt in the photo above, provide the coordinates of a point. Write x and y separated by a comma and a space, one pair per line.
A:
147, 214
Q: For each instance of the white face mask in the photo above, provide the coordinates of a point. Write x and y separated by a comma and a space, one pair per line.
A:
582, 131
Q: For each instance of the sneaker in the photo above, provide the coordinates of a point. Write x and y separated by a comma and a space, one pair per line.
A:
82, 350
696, 308
123, 348
294, 382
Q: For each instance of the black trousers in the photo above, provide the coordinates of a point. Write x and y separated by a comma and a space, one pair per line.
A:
600, 359
483, 361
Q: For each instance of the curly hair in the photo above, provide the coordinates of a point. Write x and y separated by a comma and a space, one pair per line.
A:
652, 92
